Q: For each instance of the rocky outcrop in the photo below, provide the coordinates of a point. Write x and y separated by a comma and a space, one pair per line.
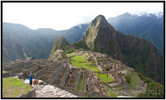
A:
99, 28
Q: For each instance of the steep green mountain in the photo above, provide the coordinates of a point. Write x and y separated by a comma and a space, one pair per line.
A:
22, 42
135, 52
147, 26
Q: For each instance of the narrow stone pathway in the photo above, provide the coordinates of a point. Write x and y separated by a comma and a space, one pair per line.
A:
51, 91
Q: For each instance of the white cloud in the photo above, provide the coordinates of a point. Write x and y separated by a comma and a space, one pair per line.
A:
65, 15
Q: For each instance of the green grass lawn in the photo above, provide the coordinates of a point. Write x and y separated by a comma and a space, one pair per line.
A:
104, 77
14, 87
82, 62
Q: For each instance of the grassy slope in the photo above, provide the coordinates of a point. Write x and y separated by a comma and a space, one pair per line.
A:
14, 87
82, 62
105, 77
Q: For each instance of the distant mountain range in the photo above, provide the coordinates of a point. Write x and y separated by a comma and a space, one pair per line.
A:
149, 27
22, 42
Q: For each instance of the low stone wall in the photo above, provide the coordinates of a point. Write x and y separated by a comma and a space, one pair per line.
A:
8, 75
20, 76
30, 94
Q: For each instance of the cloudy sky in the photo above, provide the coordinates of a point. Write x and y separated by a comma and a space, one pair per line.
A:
65, 15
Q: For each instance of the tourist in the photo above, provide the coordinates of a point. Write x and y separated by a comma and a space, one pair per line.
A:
30, 78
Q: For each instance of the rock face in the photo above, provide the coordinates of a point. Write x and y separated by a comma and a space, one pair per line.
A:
99, 28
136, 52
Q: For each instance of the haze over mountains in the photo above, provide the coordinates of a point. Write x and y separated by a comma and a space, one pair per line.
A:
21, 42
149, 27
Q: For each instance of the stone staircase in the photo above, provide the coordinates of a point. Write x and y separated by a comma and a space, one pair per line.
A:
51, 91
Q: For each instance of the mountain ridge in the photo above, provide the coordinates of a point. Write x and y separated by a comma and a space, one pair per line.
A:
147, 26
107, 40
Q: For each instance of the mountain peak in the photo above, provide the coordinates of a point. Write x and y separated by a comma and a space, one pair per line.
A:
99, 30
100, 19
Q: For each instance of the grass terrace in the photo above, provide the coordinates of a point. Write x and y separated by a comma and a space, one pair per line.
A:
82, 62
104, 77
